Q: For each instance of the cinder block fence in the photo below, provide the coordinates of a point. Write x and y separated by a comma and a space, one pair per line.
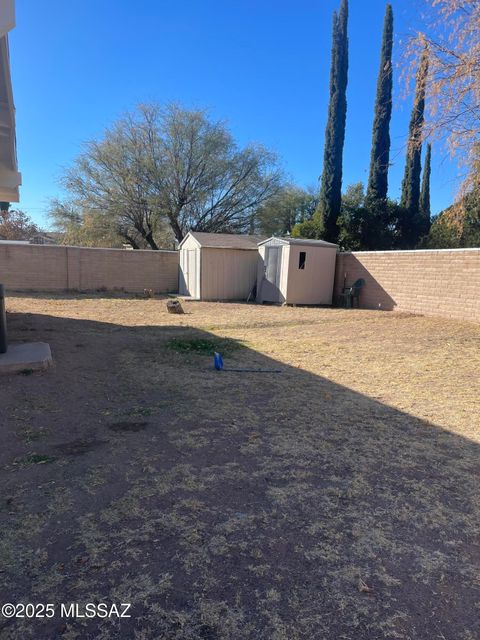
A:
438, 283
55, 268
442, 283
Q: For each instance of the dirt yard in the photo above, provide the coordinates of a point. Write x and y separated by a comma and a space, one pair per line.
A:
337, 499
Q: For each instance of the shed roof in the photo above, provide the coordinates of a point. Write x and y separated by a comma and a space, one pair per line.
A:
225, 240
306, 241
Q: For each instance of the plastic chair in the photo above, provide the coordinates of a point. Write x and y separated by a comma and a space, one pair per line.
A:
352, 293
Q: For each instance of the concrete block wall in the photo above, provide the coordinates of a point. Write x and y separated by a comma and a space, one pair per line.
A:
439, 283
442, 283
57, 268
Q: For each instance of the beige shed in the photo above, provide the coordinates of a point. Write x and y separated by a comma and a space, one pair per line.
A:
296, 271
218, 266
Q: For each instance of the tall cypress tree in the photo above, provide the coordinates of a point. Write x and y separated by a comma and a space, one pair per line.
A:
425, 192
410, 199
331, 181
378, 179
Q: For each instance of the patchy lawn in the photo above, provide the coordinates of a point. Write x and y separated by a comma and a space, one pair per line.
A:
336, 499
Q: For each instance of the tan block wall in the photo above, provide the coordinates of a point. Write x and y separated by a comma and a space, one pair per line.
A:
442, 283
54, 268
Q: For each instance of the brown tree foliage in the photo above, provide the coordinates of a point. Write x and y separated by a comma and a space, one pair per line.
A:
16, 225
452, 34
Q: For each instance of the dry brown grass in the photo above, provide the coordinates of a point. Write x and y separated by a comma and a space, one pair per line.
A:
425, 366
229, 505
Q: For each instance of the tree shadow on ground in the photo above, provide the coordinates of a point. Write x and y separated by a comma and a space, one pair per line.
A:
226, 505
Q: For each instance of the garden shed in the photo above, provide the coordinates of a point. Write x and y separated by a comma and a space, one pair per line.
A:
218, 266
296, 271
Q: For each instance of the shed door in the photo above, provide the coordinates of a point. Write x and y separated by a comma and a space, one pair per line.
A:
188, 272
271, 283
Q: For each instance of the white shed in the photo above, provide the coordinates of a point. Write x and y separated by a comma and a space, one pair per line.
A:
218, 266
296, 271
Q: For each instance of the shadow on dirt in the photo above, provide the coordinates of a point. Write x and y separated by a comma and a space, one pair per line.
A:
246, 506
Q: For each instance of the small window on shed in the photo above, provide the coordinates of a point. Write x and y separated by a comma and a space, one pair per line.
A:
302, 258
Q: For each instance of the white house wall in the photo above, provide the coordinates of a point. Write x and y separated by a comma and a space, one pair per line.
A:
10, 178
7, 16
227, 274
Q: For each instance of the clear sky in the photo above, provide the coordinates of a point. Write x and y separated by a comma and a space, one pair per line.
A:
261, 65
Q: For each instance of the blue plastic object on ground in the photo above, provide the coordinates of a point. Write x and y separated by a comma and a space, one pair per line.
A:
218, 361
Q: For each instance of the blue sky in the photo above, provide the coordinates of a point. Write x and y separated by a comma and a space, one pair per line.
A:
261, 65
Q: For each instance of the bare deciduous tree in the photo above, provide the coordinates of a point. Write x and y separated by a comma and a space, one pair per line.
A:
452, 34
202, 179
110, 177
173, 166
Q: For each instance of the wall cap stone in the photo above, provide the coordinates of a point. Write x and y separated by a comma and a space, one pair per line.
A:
408, 251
